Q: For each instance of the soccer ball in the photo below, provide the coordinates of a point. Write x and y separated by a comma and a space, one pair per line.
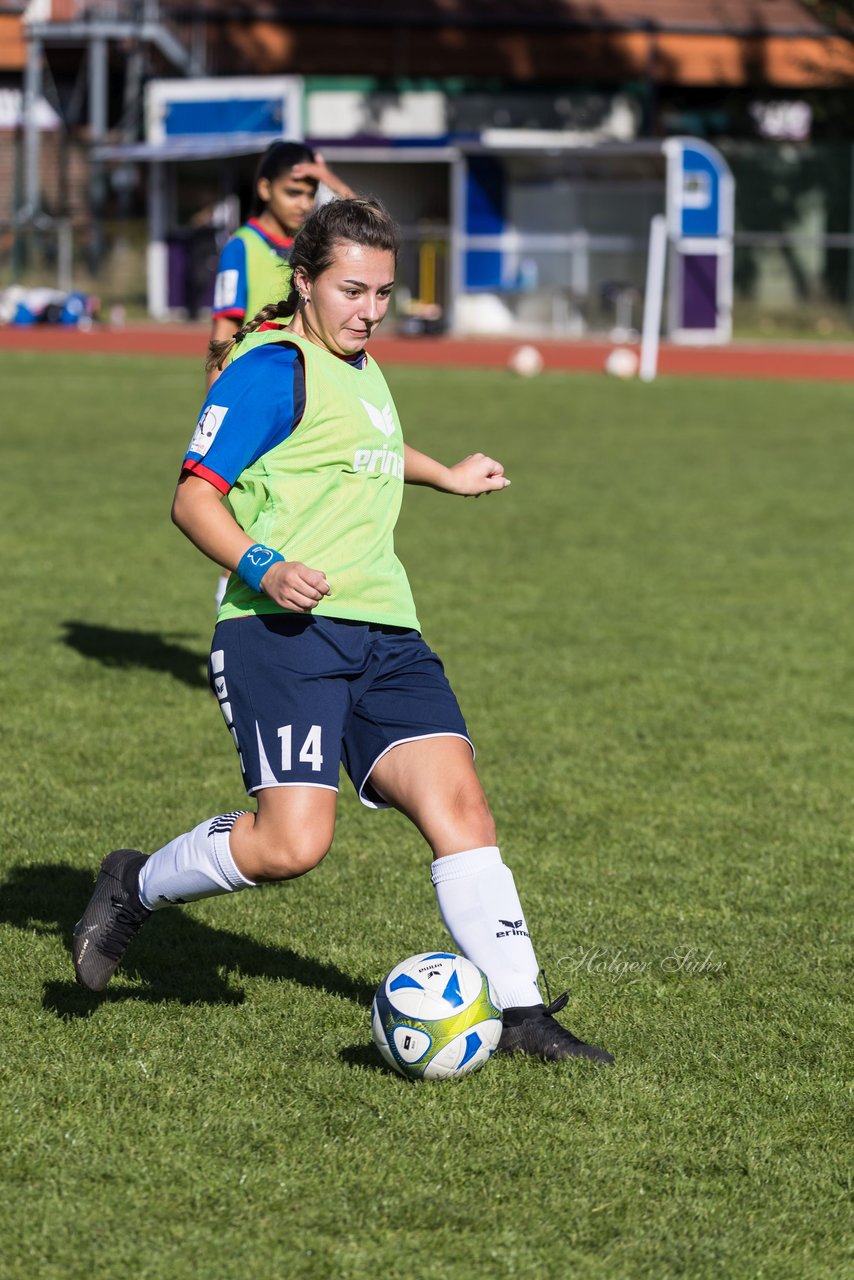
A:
621, 362
526, 361
434, 1017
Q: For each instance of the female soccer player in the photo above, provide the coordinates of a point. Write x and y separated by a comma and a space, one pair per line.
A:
317, 657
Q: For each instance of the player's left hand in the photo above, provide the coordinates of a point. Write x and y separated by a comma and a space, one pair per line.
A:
477, 474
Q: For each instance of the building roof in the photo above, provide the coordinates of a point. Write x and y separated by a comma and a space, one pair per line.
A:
778, 44
732, 16
783, 17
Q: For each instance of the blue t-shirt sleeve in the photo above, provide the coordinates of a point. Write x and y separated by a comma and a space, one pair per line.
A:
254, 405
230, 286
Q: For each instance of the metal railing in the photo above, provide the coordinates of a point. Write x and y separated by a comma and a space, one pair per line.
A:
180, 38
560, 286
72, 11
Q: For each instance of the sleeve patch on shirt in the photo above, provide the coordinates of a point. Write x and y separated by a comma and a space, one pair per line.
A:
225, 289
208, 425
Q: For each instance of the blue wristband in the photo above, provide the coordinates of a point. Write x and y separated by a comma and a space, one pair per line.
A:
255, 562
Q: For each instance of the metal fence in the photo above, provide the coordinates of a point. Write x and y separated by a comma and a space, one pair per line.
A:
570, 286
564, 286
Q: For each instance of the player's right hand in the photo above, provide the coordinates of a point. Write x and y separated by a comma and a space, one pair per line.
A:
294, 586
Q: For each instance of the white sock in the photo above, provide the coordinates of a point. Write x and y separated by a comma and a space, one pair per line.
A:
195, 865
482, 913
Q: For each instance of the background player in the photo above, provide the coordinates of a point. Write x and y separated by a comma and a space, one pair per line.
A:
253, 266
317, 657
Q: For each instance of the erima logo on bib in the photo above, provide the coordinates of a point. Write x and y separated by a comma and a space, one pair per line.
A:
383, 462
207, 427
382, 419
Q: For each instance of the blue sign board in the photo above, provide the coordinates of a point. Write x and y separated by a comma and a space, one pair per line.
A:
700, 226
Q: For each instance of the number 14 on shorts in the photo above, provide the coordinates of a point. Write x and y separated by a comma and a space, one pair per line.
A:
309, 753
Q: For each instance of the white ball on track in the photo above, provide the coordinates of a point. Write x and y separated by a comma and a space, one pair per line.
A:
526, 361
621, 362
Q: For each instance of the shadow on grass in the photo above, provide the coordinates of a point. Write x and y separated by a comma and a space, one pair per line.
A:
175, 956
366, 1057
113, 647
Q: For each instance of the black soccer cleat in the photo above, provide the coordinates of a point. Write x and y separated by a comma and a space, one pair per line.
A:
535, 1031
111, 921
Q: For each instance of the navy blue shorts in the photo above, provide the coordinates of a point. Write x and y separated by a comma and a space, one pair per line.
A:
303, 695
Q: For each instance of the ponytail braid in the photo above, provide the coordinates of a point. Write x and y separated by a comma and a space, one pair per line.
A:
218, 352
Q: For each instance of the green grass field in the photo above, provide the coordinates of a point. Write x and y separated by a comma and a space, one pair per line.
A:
651, 636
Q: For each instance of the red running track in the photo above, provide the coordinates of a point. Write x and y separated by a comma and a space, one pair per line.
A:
739, 360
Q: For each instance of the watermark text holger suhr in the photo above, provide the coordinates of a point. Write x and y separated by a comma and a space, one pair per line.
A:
615, 964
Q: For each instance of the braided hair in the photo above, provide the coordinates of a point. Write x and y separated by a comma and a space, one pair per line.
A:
359, 220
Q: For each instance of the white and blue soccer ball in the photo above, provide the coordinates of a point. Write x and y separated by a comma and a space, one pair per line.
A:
435, 1017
